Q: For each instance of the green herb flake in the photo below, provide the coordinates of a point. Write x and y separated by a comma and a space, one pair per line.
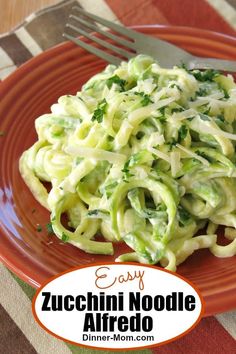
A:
182, 133
49, 228
126, 171
116, 80
146, 99
100, 111
206, 75
65, 237
177, 109
202, 154
162, 110
33, 210
93, 212
177, 86
39, 228
183, 66
190, 118
126, 167
98, 213
2, 133
162, 119
201, 92
172, 143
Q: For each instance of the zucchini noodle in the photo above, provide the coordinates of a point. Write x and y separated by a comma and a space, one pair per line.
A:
142, 155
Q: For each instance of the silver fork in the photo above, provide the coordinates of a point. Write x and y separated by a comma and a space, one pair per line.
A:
135, 43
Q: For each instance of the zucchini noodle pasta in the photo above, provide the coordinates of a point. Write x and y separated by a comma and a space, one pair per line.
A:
143, 155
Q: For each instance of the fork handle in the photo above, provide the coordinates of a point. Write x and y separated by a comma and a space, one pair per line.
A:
210, 63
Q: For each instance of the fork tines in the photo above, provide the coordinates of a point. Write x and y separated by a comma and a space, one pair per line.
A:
109, 46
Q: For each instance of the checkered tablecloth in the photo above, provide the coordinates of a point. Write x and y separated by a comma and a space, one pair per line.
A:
19, 333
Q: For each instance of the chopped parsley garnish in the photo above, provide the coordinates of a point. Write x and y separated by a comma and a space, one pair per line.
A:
172, 143
116, 80
93, 212
126, 171
201, 92
99, 213
2, 133
202, 154
176, 110
177, 86
162, 110
206, 75
100, 111
183, 66
190, 118
49, 228
39, 228
125, 168
65, 237
146, 98
182, 133
162, 119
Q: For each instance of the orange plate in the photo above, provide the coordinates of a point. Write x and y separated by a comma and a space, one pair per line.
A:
29, 92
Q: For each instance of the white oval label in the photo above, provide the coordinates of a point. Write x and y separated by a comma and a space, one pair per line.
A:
118, 306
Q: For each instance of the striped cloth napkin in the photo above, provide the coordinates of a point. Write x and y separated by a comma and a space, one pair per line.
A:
20, 334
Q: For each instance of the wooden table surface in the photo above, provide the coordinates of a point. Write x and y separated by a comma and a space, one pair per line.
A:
13, 12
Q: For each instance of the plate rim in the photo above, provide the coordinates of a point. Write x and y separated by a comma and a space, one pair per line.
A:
7, 82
